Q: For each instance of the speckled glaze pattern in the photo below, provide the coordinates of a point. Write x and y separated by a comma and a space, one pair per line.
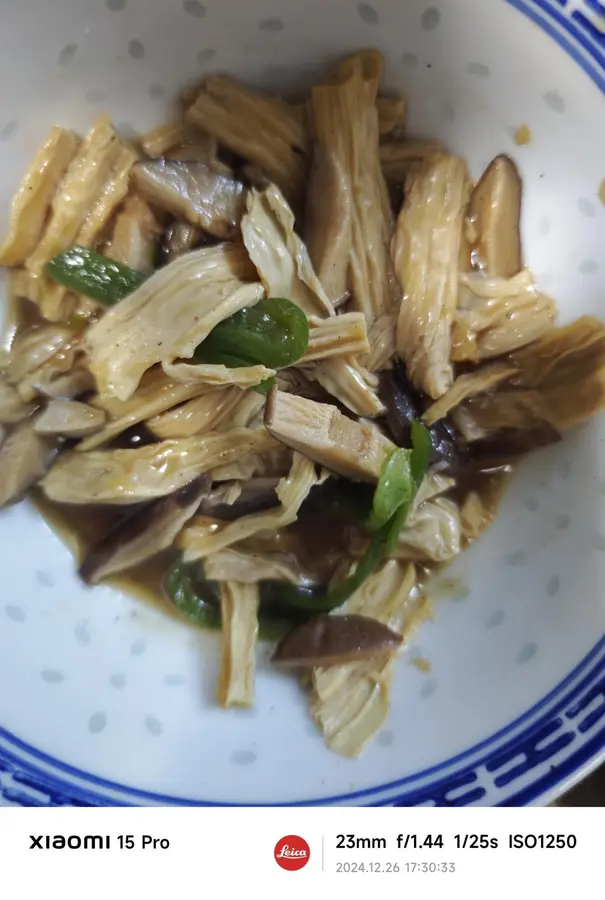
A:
111, 702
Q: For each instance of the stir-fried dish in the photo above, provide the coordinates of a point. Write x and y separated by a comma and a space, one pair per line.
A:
279, 358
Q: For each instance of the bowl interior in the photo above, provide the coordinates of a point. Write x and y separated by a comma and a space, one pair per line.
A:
95, 675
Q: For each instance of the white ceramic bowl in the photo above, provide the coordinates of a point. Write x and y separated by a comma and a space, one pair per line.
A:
105, 700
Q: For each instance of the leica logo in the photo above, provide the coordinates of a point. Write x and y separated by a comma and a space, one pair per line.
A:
292, 852
286, 851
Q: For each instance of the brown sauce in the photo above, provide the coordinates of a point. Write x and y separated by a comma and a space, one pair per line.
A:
318, 542
81, 527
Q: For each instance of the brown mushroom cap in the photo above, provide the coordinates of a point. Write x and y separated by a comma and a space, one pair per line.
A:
24, 458
494, 211
328, 640
193, 191
145, 533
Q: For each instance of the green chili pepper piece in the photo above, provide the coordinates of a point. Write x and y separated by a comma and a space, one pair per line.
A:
96, 276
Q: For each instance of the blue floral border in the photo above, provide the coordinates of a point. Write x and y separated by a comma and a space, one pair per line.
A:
528, 759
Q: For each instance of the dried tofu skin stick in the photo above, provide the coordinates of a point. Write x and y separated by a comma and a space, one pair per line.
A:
157, 142
95, 183
391, 115
251, 566
280, 108
205, 536
136, 235
559, 383
281, 258
127, 476
274, 462
426, 248
216, 375
248, 413
350, 382
197, 416
256, 127
382, 339
397, 157
480, 506
32, 202
155, 394
336, 336
468, 385
366, 64
239, 615
179, 140
354, 211
112, 193
328, 221
355, 450
77, 192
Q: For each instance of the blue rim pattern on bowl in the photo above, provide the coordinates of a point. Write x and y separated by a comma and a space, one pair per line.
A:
556, 739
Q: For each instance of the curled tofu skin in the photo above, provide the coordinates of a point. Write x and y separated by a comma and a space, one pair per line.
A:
177, 133
250, 567
127, 476
47, 362
559, 382
356, 450
275, 461
95, 183
468, 385
432, 534
168, 316
382, 339
206, 536
391, 115
34, 348
215, 375
155, 394
480, 507
34, 197
497, 315
136, 235
196, 416
286, 270
279, 255
239, 617
349, 226
265, 131
398, 158
347, 379
425, 249
350, 703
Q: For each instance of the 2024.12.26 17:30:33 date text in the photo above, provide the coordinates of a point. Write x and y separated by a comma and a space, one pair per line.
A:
396, 867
